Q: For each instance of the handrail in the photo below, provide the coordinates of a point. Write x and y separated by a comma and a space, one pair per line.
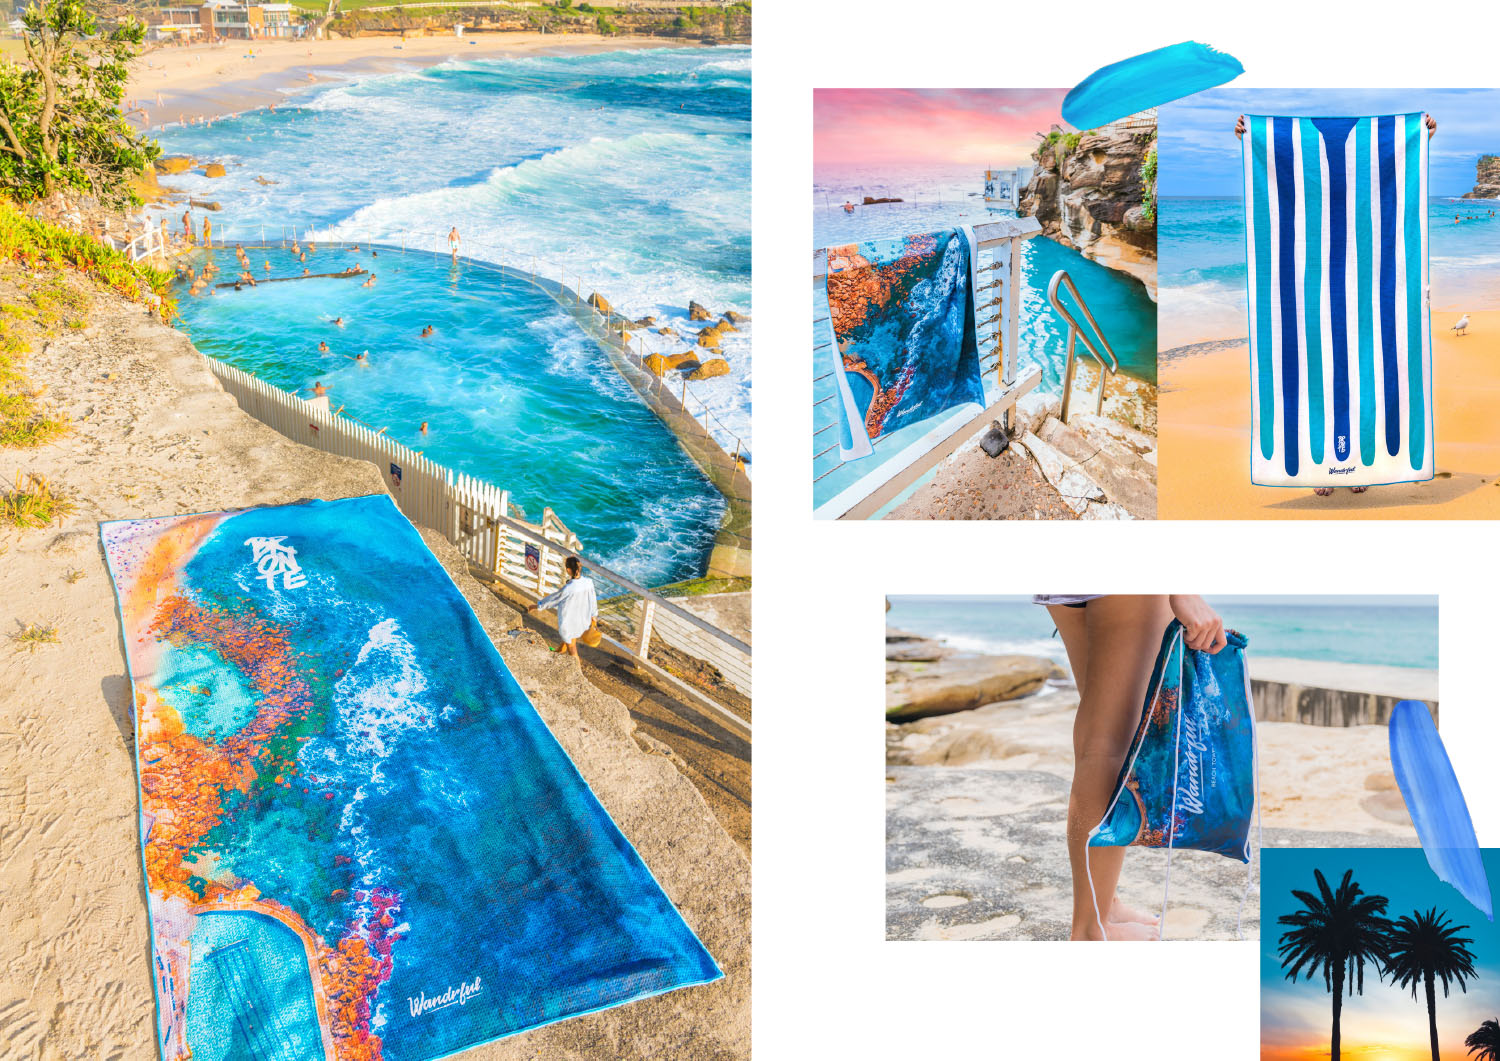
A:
1061, 277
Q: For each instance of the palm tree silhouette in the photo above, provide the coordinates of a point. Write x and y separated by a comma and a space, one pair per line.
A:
1484, 1042
1336, 932
1423, 949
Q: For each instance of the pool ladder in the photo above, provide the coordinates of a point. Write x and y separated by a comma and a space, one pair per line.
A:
1062, 279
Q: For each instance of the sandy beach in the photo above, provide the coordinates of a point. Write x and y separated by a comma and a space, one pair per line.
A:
1204, 438
213, 80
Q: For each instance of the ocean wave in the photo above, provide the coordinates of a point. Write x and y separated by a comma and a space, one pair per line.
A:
379, 697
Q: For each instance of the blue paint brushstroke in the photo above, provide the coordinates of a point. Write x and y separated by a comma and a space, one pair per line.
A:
1259, 139
1364, 257
1312, 283
1436, 804
1416, 400
1146, 80
1286, 204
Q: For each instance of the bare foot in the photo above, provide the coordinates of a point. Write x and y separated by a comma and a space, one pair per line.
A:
1121, 930
1358, 489
1323, 491
1119, 913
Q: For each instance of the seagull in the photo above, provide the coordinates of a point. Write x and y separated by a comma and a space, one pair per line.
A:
1462, 326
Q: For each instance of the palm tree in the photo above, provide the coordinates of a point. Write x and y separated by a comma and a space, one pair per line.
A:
1485, 1042
1423, 949
1336, 932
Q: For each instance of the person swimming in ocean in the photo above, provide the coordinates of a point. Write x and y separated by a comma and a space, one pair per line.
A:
423, 428
323, 346
362, 359
427, 331
339, 321
848, 207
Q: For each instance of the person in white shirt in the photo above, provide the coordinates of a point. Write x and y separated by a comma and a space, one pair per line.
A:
576, 605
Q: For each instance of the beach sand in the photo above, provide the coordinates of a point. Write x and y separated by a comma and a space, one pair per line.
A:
1204, 438
204, 80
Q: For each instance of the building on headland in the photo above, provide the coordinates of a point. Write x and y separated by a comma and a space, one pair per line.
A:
1004, 185
227, 20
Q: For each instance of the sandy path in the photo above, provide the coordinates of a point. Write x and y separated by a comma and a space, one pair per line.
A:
204, 80
1204, 438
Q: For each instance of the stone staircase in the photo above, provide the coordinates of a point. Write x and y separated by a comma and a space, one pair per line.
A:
1101, 468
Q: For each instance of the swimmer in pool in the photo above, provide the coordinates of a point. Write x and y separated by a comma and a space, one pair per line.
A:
427, 331
323, 347
339, 321
370, 282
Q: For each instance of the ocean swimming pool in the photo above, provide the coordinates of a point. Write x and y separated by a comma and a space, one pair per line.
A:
513, 390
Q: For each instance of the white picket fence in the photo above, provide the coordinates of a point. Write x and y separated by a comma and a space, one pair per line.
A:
476, 517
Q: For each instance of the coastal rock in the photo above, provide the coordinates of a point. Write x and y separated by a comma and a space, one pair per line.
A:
664, 330
205, 204
600, 303
959, 683
913, 648
1032, 411
737, 318
661, 364
644, 322
697, 313
726, 325
1114, 456
173, 164
1070, 481
214, 169
1486, 178
714, 366
1091, 190
709, 337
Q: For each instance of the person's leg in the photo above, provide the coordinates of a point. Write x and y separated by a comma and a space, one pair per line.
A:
1122, 635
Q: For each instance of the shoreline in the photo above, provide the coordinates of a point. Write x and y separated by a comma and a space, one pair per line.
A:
204, 81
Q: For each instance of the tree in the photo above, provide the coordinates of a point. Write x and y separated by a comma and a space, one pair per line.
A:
1423, 949
1484, 1042
60, 119
1336, 932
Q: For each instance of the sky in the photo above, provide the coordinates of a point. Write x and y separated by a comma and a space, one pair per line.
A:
900, 127
1385, 1023
1199, 155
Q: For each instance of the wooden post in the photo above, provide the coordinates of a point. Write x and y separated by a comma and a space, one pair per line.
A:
643, 628
543, 555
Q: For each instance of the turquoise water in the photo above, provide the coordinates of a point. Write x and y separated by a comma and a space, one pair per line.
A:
1400, 632
512, 390
250, 991
630, 171
215, 700
943, 199
1201, 268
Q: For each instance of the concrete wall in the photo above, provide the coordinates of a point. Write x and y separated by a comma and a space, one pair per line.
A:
1283, 701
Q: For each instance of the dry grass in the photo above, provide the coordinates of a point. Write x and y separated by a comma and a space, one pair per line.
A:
73, 575
33, 503
33, 634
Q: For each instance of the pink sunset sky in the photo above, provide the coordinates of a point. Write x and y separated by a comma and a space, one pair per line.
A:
882, 126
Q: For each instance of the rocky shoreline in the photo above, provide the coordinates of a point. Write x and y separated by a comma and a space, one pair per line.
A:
1094, 192
979, 760
1486, 178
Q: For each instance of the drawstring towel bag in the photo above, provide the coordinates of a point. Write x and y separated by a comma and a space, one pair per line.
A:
1190, 777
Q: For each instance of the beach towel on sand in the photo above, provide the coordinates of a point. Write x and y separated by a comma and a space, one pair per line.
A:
1340, 349
903, 342
1189, 778
360, 840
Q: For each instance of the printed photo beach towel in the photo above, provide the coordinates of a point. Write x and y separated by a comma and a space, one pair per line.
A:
360, 840
1189, 777
903, 340
1340, 348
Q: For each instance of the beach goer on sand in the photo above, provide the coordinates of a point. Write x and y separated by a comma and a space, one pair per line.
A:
319, 390
577, 607
1112, 643
1239, 132
323, 346
453, 239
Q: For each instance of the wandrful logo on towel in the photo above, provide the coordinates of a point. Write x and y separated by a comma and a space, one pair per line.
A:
274, 558
456, 995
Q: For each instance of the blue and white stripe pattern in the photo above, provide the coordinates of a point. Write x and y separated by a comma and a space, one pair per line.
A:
1340, 348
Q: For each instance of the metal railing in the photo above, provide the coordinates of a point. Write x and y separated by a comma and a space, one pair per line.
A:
1062, 279
529, 558
996, 274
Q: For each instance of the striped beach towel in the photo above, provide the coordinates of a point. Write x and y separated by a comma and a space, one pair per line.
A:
1340, 348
